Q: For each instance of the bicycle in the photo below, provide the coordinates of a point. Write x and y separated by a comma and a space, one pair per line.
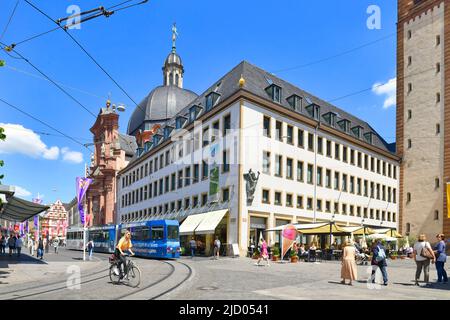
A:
132, 277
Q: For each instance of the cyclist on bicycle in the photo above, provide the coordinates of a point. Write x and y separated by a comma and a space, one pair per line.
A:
123, 245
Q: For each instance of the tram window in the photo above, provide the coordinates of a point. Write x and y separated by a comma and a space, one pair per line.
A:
172, 232
140, 233
157, 232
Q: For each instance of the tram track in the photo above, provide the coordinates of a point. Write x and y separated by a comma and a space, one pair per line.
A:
177, 285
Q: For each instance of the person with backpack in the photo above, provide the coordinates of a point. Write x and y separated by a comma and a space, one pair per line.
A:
216, 248
441, 258
422, 255
379, 261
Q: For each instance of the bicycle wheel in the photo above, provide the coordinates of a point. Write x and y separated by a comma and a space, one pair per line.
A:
114, 274
134, 276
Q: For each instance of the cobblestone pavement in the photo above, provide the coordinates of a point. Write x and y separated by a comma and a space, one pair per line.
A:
240, 279
226, 278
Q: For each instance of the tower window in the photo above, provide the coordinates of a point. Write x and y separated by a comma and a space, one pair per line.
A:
436, 183
409, 60
409, 114
409, 34
438, 67
438, 97
408, 197
438, 40
438, 128
409, 144
177, 79
409, 87
436, 214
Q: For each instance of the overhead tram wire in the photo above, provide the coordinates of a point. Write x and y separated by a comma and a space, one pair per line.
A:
47, 133
88, 54
9, 20
52, 81
44, 123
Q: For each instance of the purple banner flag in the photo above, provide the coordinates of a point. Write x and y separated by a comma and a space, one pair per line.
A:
82, 186
37, 200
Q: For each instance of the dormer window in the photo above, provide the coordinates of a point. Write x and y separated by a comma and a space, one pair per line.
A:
295, 102
211, 100
357, 130
330, 118
313, 110
157, 139
180, 121
274, 92
167, 131
148, 145
369, 137
194, 111
344, 124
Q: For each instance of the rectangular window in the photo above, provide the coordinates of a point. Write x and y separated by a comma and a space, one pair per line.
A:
265, 196
344, 154
352, 184
226, 124
319, 145
310, 174
328, 147
299, 171
310, 142
278, 198
215, 131
180, 179
336, 180
187, 178
372, 190
173, 179
336, 208
300, 202
337, 148
196, 173
352, 156
309, 203
278, 165
155, 188
344, 209
359, 159
366, 162
166, 184
266, 129
225, 194
290, 135
394, 195
372, 164
288, 200
161, 186
150, 165
186, 203
226, 161
319, 176
319, 205
300, 139
344, 182
161, 161
195, 201
204, 170
266, 162
167, 158
289, 169
327, 206
204, 199
378, 166
378, 191
278, 130
358, 186
205, 137
328, 178
352, 210
383, 193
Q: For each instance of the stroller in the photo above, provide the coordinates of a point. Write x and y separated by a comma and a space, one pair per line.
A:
362, 258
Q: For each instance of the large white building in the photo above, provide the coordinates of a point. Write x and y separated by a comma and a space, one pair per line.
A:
316, 163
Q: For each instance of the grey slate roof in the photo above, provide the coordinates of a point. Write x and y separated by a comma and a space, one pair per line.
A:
128, 144
257, 80
161, 104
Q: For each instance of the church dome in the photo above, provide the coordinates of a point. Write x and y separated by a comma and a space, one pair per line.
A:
161, 104
173, 58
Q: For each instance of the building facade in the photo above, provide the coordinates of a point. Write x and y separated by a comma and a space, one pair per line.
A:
112, 152
423, 115
263, 153
53, 223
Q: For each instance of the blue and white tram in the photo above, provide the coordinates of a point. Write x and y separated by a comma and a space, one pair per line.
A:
154, 238
74, 238
104, 238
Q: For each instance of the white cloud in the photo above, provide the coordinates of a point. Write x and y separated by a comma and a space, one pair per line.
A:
71, 156
388, 89
21, 192
24, 141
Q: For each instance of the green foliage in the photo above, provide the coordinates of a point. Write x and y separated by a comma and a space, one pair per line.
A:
294, 253
276, 252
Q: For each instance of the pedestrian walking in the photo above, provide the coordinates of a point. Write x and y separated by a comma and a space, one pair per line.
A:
19, 243
379, 262
441, 259
193, 246
40, 248
264, 254
348, 269
216, 248
46, 245
31, 246
56, 244
90, 248
3, 244
423, 255
11, 244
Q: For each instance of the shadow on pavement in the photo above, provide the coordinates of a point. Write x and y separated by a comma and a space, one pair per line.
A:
6, 260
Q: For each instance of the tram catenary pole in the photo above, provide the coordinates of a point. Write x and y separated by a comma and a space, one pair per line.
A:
84, 222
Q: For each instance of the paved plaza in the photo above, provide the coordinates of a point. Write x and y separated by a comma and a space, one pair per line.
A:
205, 279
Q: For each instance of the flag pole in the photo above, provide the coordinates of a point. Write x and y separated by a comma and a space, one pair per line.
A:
84, 222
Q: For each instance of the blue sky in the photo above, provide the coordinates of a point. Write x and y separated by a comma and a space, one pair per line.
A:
214, 36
